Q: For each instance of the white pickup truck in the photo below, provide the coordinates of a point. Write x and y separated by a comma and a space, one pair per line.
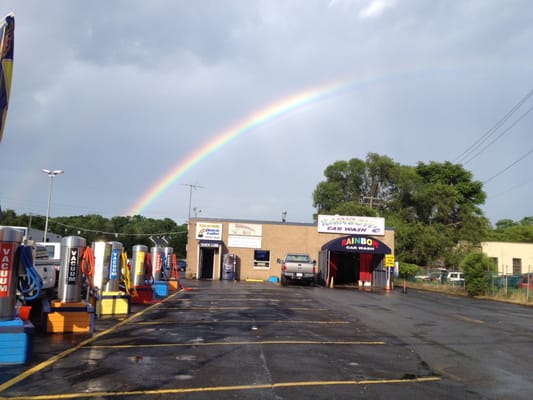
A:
297, 266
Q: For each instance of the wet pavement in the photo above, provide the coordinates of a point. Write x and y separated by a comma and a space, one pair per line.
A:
227, 340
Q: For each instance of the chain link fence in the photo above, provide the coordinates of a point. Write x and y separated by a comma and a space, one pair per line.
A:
515, 288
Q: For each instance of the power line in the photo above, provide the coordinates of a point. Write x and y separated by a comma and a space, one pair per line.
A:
500, 135
509, 166
116, 233
519, 185
479, 142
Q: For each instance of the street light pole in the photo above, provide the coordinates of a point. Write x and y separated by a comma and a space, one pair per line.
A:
51, 174
191, 187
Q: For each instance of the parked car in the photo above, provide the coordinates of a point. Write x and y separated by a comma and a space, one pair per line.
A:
182, 265
524, 282
434, 276
509, 281
455, 278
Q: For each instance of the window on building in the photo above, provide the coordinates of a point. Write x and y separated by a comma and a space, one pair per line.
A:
262, 258
517, 266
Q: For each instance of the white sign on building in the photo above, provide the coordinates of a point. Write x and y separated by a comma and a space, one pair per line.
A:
248, 242
245, 229
351, 225
245, 235
208, 231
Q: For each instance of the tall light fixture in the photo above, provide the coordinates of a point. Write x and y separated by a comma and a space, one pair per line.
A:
191, 187
51, 174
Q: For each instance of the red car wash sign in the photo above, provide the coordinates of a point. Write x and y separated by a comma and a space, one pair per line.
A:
351, 225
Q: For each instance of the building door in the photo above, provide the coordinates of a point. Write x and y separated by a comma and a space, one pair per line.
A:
207, 260
365, 265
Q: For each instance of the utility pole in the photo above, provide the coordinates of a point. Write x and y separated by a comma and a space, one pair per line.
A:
191, 187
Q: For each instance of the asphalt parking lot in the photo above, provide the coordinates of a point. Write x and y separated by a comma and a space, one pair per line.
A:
227, 340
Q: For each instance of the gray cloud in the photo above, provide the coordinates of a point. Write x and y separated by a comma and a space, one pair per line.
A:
119, 93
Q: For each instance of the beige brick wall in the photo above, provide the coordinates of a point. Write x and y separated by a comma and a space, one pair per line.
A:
277, 237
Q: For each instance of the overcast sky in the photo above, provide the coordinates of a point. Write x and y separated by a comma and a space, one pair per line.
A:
119, 93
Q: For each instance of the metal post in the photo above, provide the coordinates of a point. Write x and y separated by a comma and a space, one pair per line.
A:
51, 174
528, 281
505, 275
191, 187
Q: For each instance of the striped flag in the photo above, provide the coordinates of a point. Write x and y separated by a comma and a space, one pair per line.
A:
7, 38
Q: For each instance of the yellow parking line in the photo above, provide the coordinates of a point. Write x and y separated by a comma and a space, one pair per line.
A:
475, 321
160, 392
243, 343
217, 308
229, 321
85, 342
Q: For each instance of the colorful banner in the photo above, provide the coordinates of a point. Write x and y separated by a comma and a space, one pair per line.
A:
7, 39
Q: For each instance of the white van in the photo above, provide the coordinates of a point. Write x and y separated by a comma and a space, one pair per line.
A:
455, 277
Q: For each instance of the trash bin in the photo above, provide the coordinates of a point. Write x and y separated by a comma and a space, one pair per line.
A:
228, 266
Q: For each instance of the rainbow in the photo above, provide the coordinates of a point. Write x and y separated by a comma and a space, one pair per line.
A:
253, 121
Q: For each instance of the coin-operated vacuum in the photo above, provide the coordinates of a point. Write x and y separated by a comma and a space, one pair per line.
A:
16, 331
106, 295
170, 266
159, 272
70, 313
141, 290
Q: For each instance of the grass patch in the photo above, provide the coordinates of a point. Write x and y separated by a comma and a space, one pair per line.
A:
516, 296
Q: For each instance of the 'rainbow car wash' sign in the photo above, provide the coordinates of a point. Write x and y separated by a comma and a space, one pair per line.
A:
351, 225
357, 244
360, 243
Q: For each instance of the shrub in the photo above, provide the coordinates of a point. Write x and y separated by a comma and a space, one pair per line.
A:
477, 268
408, 271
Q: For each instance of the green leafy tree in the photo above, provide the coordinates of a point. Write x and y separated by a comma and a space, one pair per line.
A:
477, 268
355, 187
408, 271
507, 230
9, 218
431, 206
504, 224
526, 221
129, 230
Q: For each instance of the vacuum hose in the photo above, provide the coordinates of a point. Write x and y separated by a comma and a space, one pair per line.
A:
31, 284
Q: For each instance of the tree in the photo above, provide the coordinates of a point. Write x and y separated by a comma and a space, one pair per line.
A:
408, 271
432, 206
478, 269
355, 186
509, 231
129, 230
526, 221
503, 224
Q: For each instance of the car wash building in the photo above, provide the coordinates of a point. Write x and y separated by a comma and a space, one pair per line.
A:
348, 250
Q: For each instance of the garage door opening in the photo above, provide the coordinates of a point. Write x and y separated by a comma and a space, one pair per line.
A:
353, 260
206, 263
